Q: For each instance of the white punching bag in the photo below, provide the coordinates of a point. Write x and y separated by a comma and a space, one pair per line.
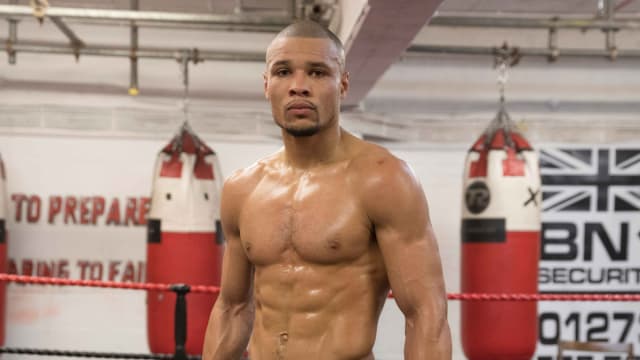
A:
500, 243
184, 240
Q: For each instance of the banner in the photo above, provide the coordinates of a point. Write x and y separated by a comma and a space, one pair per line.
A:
77, 209
590, 244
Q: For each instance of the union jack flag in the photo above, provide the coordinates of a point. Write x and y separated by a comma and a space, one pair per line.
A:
590, 179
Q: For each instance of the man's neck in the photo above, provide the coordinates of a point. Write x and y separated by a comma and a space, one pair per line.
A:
305, 152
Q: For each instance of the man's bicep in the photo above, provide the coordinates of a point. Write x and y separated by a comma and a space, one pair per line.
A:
236, 268
413, 265
407, 242
236, 272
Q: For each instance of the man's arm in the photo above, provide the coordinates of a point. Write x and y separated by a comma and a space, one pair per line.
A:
231, 319
397, 207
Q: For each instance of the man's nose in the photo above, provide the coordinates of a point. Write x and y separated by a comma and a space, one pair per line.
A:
299, 85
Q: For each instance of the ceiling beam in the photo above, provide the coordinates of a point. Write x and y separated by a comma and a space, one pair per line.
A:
379, 37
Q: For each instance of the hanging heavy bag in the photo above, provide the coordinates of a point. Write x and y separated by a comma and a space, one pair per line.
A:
184, 240
500, 243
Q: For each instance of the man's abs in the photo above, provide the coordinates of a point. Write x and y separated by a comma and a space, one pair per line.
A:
317, 312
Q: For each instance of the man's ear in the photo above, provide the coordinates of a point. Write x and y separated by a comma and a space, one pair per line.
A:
266, 83
344, 84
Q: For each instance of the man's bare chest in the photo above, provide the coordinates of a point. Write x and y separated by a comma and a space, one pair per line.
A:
317, 219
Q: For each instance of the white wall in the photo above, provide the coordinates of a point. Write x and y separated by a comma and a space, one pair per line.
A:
72, 164
118, 163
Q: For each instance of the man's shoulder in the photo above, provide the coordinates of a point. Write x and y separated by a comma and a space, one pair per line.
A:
249, 176
376, 172
382, 182
375, 160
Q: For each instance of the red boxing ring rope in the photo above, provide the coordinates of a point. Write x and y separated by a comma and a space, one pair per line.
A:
22, 279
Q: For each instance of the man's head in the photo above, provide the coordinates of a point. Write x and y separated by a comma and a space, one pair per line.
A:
310, 29
305, 78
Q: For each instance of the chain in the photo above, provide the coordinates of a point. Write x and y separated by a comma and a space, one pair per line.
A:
184, 71
503, 77
504, 58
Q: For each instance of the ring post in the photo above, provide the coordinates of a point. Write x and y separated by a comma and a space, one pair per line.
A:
180, 325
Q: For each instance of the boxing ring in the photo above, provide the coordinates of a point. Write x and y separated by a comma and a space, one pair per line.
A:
182, 291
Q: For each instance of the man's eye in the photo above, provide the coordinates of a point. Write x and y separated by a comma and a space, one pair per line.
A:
281, 72
317, 73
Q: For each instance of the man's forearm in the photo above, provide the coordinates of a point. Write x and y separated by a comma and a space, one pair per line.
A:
427, 339
228, 331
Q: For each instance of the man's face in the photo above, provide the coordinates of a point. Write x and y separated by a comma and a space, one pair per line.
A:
304, 83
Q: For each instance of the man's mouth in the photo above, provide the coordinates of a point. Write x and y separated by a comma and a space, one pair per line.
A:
299, 105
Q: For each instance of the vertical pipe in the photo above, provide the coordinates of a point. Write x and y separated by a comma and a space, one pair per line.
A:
301, 9
239, 8
294, 9
553, 45
610, 39
609, 9
13, 37
133, 83
601, 8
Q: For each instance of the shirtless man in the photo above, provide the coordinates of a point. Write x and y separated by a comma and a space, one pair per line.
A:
318, 232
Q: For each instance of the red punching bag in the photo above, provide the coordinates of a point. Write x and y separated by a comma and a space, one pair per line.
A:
500, 243
3, 246
184, 240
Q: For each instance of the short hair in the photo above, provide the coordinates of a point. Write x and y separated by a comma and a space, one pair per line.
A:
311, 29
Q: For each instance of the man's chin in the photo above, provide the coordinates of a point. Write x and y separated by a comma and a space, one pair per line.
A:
302, 132
299, 126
